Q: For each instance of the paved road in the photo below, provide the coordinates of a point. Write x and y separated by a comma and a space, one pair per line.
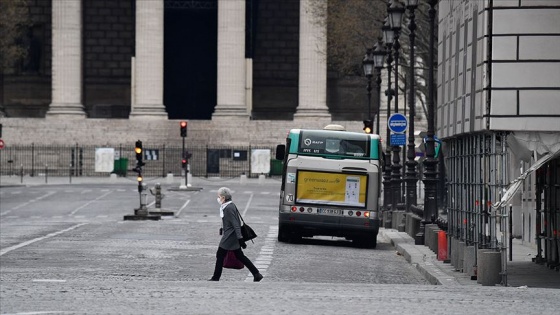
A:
66, 249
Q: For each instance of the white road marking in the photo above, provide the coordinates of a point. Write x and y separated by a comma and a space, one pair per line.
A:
86, 191
11, 248
88, 203
40, 313
247, 206
265, 256
48, 280
183, 207
28, 202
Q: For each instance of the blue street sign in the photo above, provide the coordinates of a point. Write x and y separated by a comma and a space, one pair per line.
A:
397, 123
398, 139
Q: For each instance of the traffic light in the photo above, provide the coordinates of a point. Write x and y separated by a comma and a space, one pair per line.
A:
368, 126
183, 125
139, 153
184, 163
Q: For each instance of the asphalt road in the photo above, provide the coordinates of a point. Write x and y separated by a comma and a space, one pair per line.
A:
67, 249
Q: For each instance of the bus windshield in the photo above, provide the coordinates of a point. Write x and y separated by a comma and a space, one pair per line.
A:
343, 144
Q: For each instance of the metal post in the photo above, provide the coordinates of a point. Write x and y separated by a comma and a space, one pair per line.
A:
430, 163
369, 96
410, 175
378, 111
46, 173
387, 198
396, 166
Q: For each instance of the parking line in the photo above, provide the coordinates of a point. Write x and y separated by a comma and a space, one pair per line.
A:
28, 202
11, 248
88, 203
183, 207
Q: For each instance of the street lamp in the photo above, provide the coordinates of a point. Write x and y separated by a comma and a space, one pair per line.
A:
378, 61
388, 37
430, 163
411, 176
396, 12
367, 64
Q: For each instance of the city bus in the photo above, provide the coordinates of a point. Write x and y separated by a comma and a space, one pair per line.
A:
331, 185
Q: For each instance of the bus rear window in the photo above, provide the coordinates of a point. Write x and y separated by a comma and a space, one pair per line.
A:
320, 142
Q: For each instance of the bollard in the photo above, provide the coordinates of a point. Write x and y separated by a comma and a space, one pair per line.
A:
158, 198
243, 179
489, 267
442, 246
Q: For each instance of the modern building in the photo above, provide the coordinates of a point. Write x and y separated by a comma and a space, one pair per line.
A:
498, 112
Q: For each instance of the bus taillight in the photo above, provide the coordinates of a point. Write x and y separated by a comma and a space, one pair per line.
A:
358, 213
301, 209
294, 209
366, 214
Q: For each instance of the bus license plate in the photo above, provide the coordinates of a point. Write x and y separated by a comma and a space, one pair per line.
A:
329, 211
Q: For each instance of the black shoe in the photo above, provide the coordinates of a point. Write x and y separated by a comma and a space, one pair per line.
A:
212, 279
258, 277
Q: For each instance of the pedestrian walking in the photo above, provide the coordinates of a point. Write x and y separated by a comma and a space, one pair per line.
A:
232, 239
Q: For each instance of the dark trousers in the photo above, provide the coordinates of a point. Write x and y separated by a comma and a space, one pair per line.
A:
221, 255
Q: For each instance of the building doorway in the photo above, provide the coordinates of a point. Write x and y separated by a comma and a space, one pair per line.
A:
190, 58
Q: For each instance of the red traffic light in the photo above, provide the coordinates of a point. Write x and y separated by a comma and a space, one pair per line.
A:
184, 162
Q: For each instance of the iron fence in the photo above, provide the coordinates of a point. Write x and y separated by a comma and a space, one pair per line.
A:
80, 160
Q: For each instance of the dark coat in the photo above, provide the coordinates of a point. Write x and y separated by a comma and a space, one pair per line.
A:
232, 228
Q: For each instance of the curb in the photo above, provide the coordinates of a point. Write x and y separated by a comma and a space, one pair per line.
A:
420, 256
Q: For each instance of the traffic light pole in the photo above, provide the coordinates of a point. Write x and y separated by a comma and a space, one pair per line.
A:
186, 170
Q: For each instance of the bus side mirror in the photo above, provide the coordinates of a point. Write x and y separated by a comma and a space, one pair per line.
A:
280, 152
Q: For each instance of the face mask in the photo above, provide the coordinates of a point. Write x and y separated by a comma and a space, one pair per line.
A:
219, 201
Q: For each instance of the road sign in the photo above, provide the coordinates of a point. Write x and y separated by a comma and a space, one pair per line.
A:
1, 144
398, 139
398, 123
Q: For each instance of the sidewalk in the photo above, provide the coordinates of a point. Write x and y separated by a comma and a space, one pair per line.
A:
521, 271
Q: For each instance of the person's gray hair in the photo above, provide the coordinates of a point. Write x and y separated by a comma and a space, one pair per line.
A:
225, 192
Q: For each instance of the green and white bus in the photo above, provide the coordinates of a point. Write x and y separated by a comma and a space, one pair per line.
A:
331, 185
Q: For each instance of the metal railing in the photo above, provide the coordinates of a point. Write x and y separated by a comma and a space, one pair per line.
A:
80, 160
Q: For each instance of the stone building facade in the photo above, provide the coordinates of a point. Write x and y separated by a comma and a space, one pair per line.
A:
498, 112
114, 57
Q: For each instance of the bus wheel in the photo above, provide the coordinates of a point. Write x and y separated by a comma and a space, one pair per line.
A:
373, 241
283, 234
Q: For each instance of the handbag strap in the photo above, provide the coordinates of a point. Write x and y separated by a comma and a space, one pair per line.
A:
239, 214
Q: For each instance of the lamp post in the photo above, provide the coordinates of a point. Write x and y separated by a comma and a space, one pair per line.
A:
367, 64
396, 12
388, 37
378, 61
430, 163
411, 176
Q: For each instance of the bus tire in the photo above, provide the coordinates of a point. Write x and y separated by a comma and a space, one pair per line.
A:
367, 241
283, 234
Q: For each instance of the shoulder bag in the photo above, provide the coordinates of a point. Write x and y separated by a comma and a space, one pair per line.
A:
247, 232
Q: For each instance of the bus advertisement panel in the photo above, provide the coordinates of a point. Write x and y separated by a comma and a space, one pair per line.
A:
329, 188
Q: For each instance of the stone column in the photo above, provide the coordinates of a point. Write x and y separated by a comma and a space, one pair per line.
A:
66, 60
231, 60
149, 61
312, 61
